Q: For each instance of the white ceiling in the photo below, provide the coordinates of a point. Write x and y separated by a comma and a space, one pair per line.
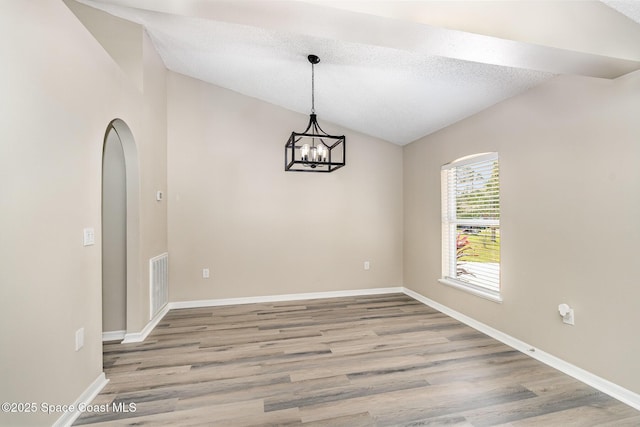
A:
396, 70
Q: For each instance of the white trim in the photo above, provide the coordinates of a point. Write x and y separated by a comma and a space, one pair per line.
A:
617, 392
472, 289
473, 158
85, 398
140, 336
284, 297
113, 335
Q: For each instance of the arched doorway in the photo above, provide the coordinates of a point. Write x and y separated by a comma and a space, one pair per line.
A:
119, 228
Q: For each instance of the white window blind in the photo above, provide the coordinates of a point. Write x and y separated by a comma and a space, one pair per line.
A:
471, 224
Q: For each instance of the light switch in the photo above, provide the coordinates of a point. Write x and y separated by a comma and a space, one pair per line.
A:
79, 339
89, 236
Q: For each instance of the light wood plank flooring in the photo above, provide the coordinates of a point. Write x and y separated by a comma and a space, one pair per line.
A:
384, 360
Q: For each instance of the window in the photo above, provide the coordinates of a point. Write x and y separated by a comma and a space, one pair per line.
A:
471, 225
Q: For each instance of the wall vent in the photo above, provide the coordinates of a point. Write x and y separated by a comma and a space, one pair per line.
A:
158, 283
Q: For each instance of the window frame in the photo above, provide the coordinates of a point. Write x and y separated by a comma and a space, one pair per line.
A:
449, 229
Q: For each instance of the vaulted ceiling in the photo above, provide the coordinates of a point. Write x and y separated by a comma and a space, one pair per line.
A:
396, 70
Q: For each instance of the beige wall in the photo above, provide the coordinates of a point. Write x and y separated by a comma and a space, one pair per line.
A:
570, 202
115, 36
568, 148
60, 90
263, 231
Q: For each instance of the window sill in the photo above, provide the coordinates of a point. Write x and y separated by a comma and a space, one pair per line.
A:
475, 290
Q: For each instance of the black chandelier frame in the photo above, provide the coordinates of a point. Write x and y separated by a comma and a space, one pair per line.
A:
314, 150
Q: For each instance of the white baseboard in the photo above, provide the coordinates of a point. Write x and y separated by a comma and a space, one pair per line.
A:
285, 297
113, 335
140, 336
617, 392
85, 398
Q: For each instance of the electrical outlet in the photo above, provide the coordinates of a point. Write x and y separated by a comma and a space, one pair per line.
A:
205, 273
567, 314
569, 318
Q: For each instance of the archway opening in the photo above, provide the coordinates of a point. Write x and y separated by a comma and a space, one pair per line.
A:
120, 265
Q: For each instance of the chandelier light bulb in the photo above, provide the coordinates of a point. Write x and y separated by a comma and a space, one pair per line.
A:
304, 152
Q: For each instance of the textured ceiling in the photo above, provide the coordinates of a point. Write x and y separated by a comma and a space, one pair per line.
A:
394, 70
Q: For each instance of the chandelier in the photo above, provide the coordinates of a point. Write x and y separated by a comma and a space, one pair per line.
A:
314, 150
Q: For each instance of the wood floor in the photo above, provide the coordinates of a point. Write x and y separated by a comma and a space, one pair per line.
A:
384, 360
